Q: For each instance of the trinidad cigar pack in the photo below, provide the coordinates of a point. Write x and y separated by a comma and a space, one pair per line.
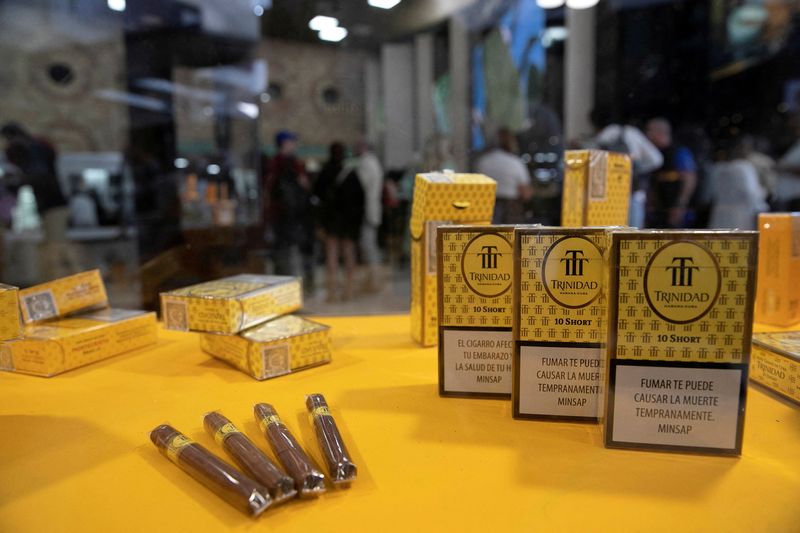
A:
778, 297
559, 323
680, 326
775, 362
597, 188
10, 322
475, 310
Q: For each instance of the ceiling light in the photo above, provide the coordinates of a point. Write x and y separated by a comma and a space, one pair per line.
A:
549, 4
213, 169
258, 10
581, 4
320, 22
181, 162
333, 35
116, 5
383, 4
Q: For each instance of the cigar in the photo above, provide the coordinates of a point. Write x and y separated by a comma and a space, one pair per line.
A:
340, 467
309, 481
250, 458
223, 479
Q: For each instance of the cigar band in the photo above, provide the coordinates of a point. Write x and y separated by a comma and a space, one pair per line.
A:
176, 446
268, 421
223, 432
320, 411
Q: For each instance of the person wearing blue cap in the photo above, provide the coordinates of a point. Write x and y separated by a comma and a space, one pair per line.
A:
288, 216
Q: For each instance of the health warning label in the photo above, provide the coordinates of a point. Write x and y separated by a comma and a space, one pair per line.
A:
560, 381
695, 407
477, 361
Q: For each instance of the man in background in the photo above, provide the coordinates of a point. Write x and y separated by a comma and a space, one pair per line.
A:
503, 165
287, 189
36, 160
370, 173
673, 185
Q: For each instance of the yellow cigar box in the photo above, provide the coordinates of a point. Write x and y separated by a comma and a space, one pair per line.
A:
679, 339
59, 345
281, 346
10, 324
440, 198
230, 305
561, 309
775, 362
63, 296
597, 188
778, 296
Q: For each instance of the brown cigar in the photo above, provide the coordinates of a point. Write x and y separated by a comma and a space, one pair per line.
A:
308, 480
250, 458
223, 479
340, 467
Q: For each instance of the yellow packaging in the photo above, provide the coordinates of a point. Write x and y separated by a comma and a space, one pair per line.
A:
10, 324
775, 362
440, 198
60, 345
680, 326
561, 307
62, 297
230, 305
597, 188
475, 310
778, 297
281, 346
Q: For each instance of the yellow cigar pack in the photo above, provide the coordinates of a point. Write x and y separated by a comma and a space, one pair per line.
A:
561, 308
440, 198
10, 324
63, 297
679, 339
281, 346
775, 362
475, 310
778, 297
56, 346
230, 305
597, 188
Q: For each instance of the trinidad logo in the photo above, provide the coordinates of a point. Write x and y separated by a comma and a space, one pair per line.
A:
682, 282
486, 265
571, 272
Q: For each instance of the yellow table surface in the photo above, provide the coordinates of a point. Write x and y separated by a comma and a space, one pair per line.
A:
75, 453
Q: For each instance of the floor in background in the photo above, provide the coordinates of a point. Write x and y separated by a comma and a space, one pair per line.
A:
392, 297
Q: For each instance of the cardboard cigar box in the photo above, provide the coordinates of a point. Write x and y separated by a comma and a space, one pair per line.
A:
281, 346
56, 346
10, 323
597, 188
440, 198
560, 303
775, 363
475, 310
230, 305
778, 297
63, 296
681, 314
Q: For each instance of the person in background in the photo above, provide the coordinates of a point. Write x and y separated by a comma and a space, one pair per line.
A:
371, 175
36, 160
340, 214
755, 153
673, 185
513, 179
287, 190
83, 207
737, 195
645, 157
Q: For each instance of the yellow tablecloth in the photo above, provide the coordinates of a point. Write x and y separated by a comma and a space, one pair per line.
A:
75, 453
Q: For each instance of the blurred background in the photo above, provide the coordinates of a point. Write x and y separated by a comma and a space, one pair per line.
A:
170, 142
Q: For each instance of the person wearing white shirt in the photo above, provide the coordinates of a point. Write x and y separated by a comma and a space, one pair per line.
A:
512, 177
737, 195
371, 175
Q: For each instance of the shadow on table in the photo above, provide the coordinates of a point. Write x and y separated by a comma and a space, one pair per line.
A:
569, 456
39, 451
